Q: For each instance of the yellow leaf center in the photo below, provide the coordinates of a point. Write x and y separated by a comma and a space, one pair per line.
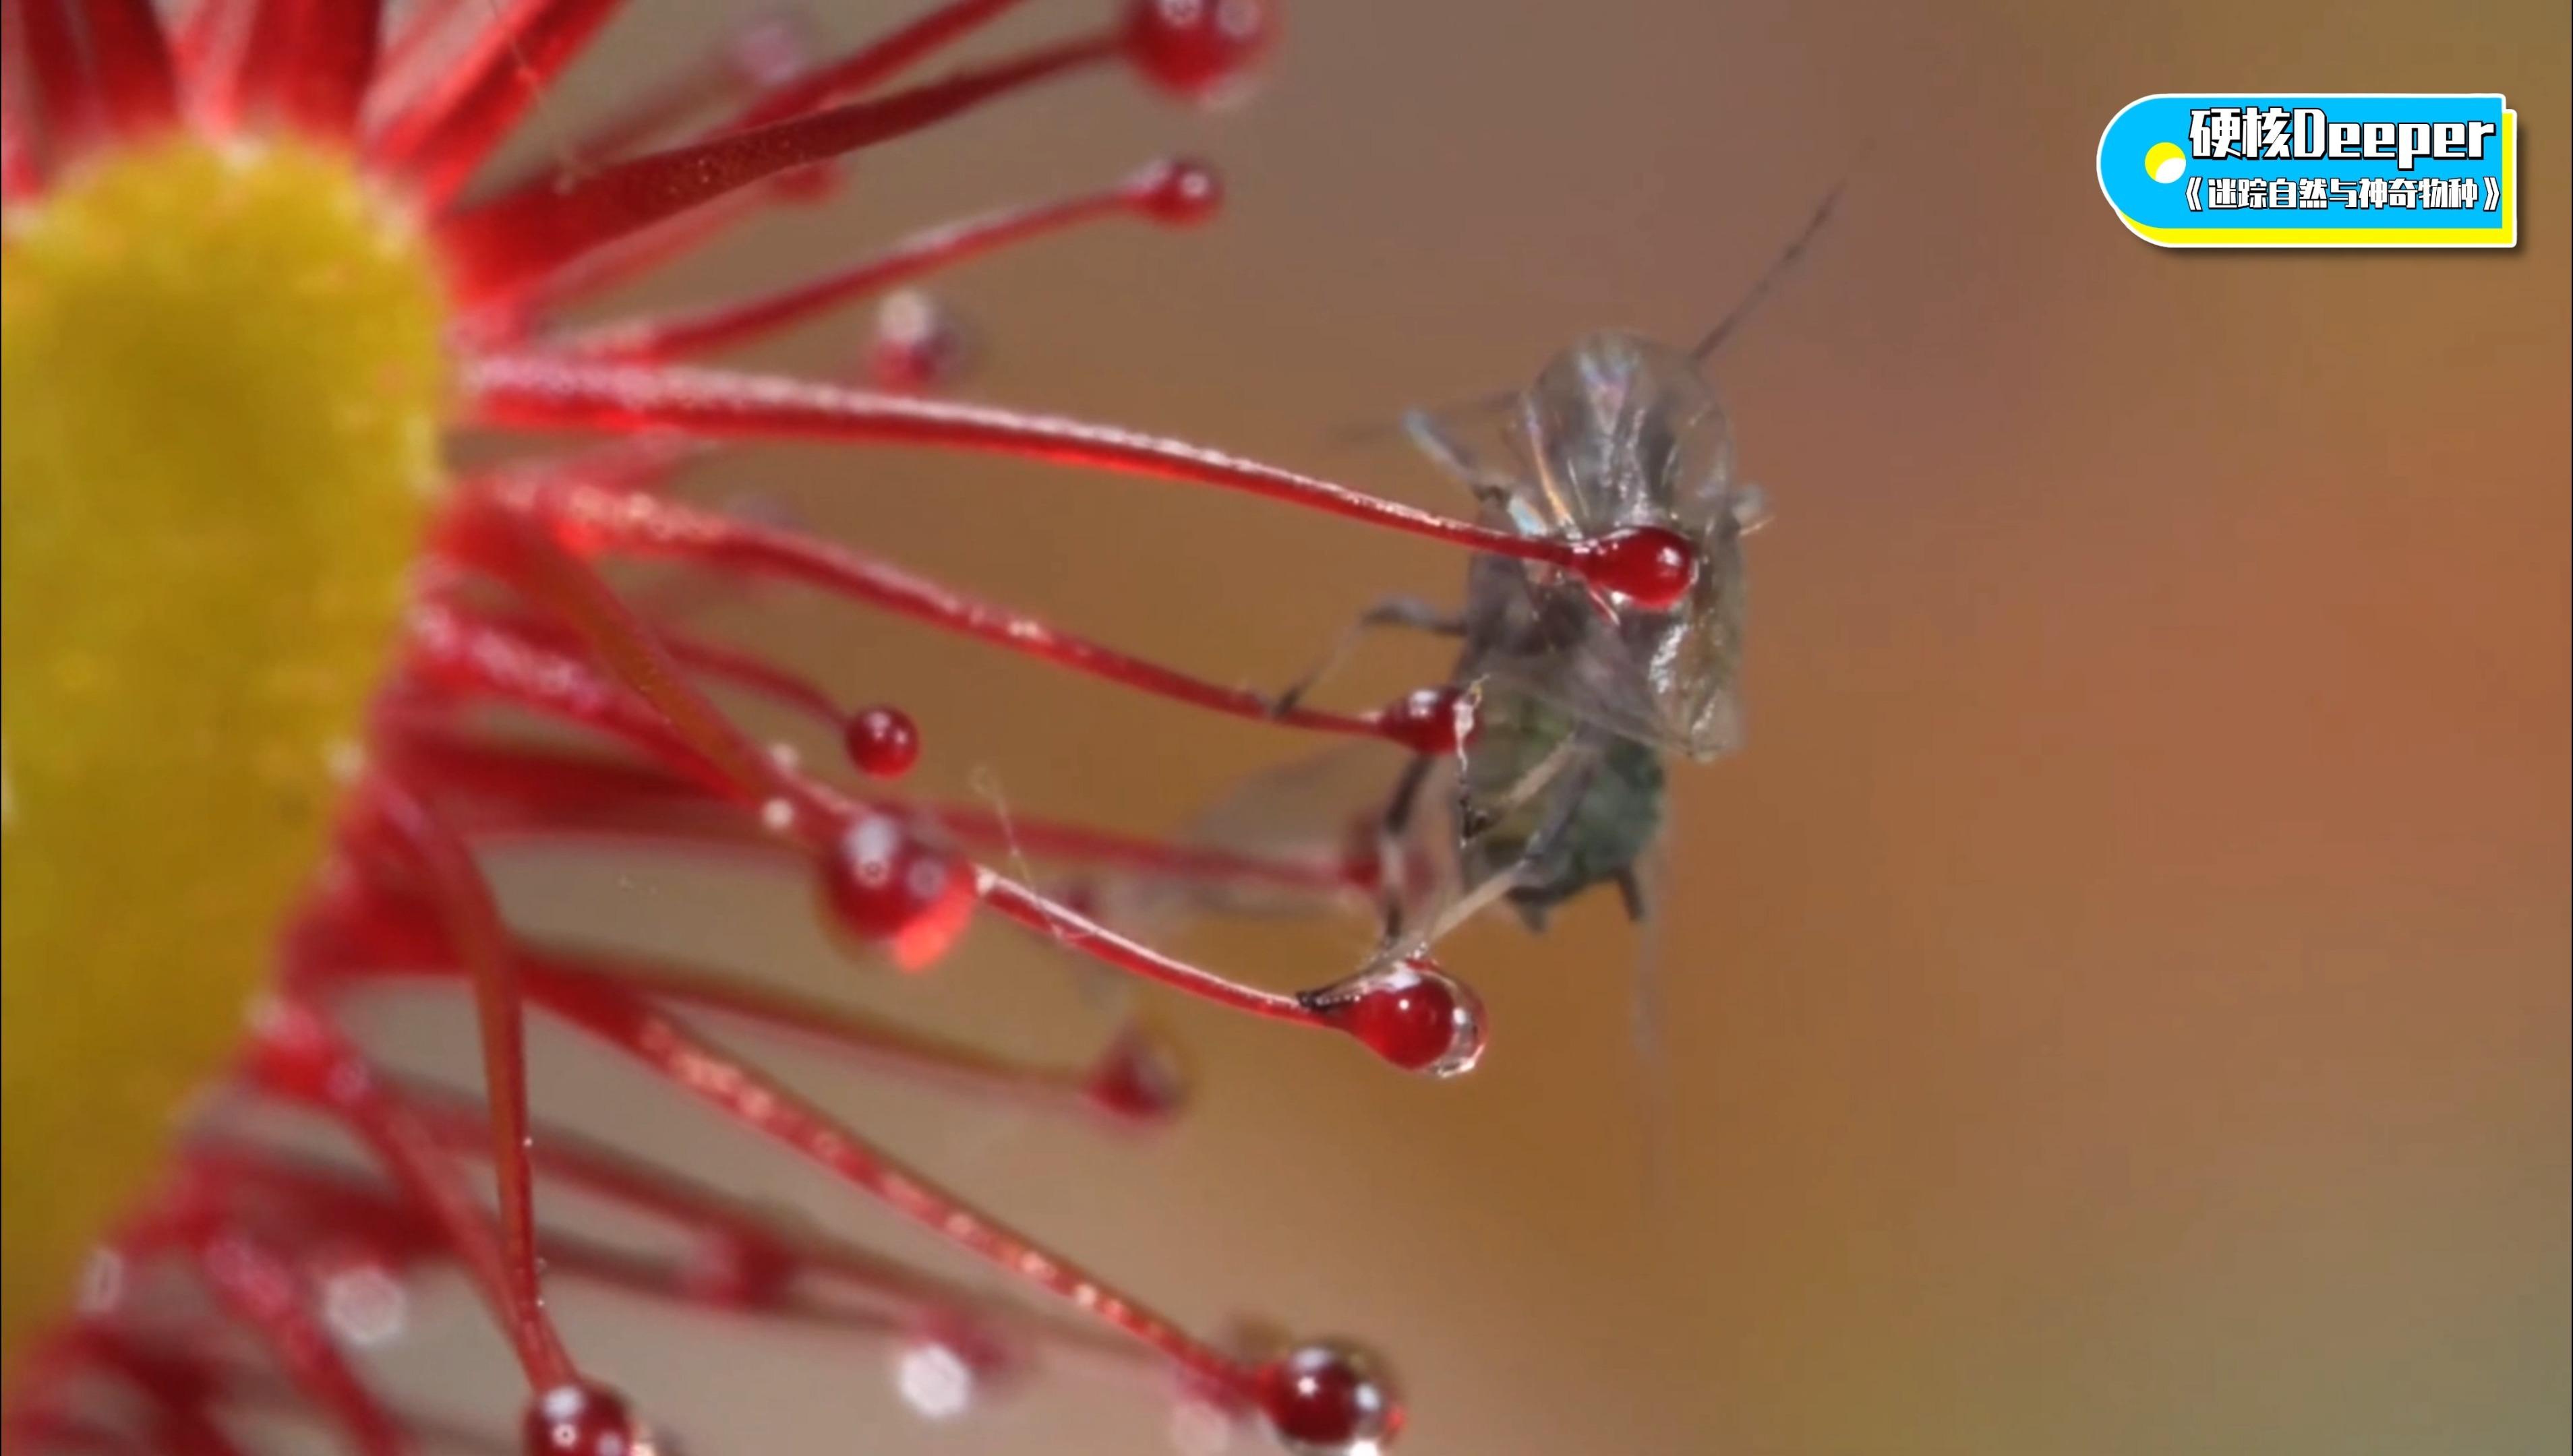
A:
223, 383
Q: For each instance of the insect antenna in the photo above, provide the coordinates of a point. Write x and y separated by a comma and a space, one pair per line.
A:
1374, 432
1767, 280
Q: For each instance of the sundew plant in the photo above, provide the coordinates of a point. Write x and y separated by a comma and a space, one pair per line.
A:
265, 645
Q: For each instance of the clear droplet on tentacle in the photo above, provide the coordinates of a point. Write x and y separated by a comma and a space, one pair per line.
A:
364, 1299
943, 1368
920, 344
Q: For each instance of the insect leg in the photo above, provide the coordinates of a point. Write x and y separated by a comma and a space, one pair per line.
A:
1473, 818
1406, 795
1393, 611
1550, 833
1558, 820
1630, 890
1490, 486
1396, 820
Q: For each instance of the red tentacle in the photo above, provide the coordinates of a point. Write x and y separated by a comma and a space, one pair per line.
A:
453, 129
1148, 193
501, 245
264, 1292
873, 63
69, 112
389, 812
315, 59
627, 523
296, 1054
625, 1022
130, 65
543, 393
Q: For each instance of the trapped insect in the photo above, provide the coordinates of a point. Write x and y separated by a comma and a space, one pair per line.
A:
1575, 693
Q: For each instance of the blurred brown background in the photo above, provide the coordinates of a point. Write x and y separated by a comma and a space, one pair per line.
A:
2118, 1000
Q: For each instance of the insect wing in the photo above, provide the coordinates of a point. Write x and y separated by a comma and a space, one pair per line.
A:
1619, 431
1311, 837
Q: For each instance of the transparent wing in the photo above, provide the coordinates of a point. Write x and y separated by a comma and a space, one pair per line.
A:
1355, 833
1314, 837
1671, 679
1469, 441
1534, 811
1481, 443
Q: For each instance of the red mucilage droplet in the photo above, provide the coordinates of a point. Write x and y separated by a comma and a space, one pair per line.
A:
1651, 567
1411, 1013
882, 741
1179, 191
523, 607
583, 1419
1328, 1398
887, 885
1205, 51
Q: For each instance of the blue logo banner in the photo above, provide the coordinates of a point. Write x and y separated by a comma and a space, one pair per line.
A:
2284, 169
